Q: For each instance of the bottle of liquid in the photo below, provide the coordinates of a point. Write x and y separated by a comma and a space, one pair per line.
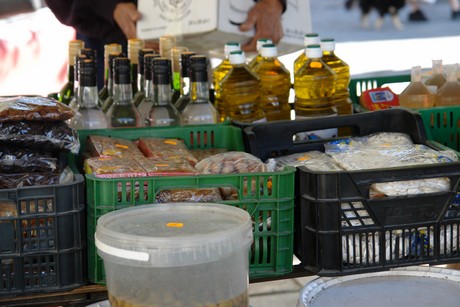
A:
260, 42
109, 100
437, 79
76, 84
184, 98
163, 112
275, 84
448, 95
139, 96
123, 114
176, 71
108, 49
416, 94
314, 86
200, 110
240, 92
67, 91
309, 39
167, 42
88, 115
146, 104
134, 46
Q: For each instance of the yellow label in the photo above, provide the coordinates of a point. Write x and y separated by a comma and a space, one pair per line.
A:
121, 146
170, 142
175, 224
316, 65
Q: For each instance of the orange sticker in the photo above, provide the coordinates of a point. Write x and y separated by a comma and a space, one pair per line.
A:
121, 146
175, 224
170, 142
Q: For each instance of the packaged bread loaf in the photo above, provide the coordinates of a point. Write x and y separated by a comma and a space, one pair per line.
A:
104, 146
165, 147
177, 166
231, 162
22, 160
34, 108
188, 195
114, 167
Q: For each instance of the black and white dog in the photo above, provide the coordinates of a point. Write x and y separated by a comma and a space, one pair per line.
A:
383, 8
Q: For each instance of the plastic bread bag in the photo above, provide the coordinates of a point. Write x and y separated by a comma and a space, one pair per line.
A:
231, 162
313, 160
54, 136
114, 167
33, 108
375, 140
23, 160
188, 195
409, 187
8, 208
13, 181
165, 147
201, 154
173, 166
105, 146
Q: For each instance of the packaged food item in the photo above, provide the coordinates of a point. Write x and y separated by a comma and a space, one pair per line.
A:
13, 181
165, 148
114, 167
313, 160
37, 135
231, 162
177, 166
201, 154
379, 99
34, 108
23, 160
8, 208
202, 195
104, 146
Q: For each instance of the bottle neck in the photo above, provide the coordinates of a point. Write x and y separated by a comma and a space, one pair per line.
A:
199, 92
87, 97
110, 86
140, 81
71, 73
122, 94
162, 94
148, 88
185, 89
328, 53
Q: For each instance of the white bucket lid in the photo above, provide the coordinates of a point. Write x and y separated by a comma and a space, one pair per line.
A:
172, 234
410, 286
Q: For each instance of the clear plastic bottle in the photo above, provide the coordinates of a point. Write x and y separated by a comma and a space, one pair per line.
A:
309, 39
134, 46
255, 60
140, 95
109, 100
416, 94
437, 78
67, 91
147, 102
448, 95
163, 112
275, 84
184, 98
200, 110
176, 52
240, 92
122, 113
88, 115
108, 49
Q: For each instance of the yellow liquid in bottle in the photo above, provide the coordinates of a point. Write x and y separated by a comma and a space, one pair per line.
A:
218, 74
416, 94
449, 94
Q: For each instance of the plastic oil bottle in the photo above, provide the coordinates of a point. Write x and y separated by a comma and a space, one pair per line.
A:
260, 42
416, 94
275, 84
309, 39
240, 92
449, 94
437, 79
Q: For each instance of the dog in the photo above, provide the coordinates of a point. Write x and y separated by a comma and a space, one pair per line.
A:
383, 8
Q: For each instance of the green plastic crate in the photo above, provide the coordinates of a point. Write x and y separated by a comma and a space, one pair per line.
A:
442, 124
267, 197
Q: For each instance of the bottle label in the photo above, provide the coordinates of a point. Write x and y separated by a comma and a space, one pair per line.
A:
316, 134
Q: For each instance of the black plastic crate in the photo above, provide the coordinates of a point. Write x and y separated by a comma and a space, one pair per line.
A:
43, 238
339, 229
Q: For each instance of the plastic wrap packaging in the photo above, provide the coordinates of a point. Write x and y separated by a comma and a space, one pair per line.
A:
201, 154
104, 146
202, 195
230, 163
114, 167
165, 148
36, 135
23, 160
313, 160
178, 166
13, 181
8, 208
37, 108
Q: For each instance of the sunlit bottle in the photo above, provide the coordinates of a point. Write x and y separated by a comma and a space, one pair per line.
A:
88, 115
146, 104
437, 78
176, 52
416, 94
67, 91
200, 110
139, 96
109, 100
449, 94
134, 45
260, 42
108, 49
309, 39
240, 92
163, 112
123, 114
184, 98
275, 84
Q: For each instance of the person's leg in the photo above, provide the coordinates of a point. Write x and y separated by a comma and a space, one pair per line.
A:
455, 6
416, 13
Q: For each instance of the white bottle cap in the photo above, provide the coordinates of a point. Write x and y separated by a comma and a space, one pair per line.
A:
231, 46
311, 39
237, 57
313, 51
269, 50
262, 41
328, 44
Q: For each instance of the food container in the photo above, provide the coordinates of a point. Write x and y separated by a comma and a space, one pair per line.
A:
410, 286
176, 254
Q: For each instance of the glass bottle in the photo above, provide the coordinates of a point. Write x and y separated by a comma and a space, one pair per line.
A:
199, 110
134, 45
309, 39
139, 96
67, 91
163, 112
122, 113
167, 42
416, 94
88, 115
176, 71
147, 102
240, 92
258, 57
108, 49
437, 79
275, 84
76, 85
184, 98
448, 95
109, 100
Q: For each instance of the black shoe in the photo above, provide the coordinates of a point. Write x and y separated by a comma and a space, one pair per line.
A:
348, 4
455, 15
417, 16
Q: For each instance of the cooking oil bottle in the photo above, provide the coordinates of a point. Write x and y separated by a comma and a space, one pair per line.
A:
309, 39
240, 92
437, 79
449, 94
275, 84
416, 94
255, 60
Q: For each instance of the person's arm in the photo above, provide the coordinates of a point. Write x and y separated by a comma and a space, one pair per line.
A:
265, 18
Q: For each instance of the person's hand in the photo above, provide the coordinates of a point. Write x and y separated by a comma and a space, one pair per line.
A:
126, 15
265, 18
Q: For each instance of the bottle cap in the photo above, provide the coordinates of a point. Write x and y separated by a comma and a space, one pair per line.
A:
108, 49
237, 57
313, 51
185, 63
231, 46
90, 53
87, 71
176, 56
262, 41
148, 65
311, 39
161, 70
328, 44
199, 68
122, 70
78, 59
112, 57
74, 49
269, 50
142, 53
134, 45
166, 44
437, 66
